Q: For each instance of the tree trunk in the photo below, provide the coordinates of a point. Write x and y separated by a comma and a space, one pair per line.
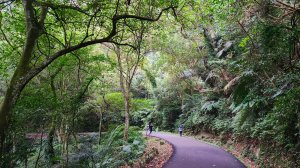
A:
126, 94
50, 149
125, 87
127, 110
100, 124
17, 82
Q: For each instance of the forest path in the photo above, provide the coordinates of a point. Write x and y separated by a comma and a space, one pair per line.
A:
191, 153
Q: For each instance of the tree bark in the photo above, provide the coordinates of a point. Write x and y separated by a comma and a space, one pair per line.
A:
126, 77
17, 82
50, 149
126, 115
125, 87
100, 125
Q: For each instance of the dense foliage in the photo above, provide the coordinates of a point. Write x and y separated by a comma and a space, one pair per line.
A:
240, 81
229, 68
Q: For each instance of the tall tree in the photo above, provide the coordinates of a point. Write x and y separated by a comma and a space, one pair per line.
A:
128, 60
41, 18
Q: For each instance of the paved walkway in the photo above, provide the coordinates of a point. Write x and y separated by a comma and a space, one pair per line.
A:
191, 153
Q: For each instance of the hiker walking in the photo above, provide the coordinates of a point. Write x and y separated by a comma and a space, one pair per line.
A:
180, 129
150, 127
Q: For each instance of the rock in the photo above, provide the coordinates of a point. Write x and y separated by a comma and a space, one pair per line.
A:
221, 53
136, 142
227, 46
219, 43
229, 87
188, 73
127, 148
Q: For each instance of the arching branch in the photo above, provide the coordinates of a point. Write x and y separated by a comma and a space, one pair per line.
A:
32, 73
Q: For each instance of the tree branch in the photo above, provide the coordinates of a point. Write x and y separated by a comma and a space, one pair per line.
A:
33, 72
119, 17
123, 44
55, 6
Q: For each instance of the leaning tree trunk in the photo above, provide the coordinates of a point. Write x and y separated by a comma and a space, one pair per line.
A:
18, 81
11, 96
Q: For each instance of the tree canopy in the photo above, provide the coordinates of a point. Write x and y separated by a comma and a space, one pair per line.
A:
109, 68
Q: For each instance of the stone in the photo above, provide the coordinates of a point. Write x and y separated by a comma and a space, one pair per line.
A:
220, 53
227, 45
219, 43
136, 142
127, 148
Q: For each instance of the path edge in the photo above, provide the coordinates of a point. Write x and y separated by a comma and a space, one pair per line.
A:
220, 147
173, 149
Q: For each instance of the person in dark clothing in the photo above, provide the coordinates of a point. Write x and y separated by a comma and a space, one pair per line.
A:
180, 129
150, 126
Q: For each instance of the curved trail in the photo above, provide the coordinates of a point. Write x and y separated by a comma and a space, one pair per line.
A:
190, 153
